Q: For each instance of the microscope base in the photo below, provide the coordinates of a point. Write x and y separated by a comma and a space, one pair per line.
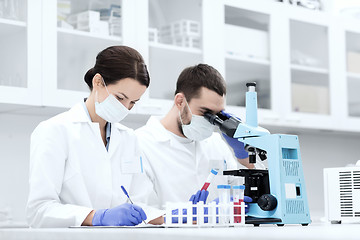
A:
257, 221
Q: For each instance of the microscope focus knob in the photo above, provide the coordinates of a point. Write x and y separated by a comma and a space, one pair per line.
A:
267, 202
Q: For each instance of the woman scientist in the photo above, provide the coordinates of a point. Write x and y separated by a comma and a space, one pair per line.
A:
79, 159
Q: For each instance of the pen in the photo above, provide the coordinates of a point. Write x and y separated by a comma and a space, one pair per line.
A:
127, 195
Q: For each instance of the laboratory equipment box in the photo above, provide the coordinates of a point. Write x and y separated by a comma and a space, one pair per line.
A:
342, 194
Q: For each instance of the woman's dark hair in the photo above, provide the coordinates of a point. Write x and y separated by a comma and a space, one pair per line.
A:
192, 79
118, 62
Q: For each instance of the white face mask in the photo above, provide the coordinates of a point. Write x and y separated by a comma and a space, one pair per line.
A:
198, 129
111, 110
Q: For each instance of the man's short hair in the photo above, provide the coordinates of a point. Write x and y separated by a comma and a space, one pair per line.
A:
192, 79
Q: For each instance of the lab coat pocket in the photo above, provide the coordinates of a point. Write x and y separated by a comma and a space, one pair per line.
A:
131, 167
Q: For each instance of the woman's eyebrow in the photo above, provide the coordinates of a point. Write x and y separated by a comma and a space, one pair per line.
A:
128, 97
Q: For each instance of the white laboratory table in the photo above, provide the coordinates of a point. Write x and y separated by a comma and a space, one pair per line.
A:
313, 231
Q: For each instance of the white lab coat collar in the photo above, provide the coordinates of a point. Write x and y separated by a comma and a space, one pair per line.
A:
78, 113
159, 132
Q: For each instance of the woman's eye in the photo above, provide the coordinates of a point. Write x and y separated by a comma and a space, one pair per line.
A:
119, 98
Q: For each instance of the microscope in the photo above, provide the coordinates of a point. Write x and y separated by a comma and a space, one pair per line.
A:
278, 193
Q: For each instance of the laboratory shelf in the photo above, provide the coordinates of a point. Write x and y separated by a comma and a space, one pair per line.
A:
170, 47
10, 27
309, 69
259, 61
309, 75
240, 71
355, 76
87, 35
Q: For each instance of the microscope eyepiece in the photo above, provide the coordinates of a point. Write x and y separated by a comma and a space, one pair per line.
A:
213, 119
251, 84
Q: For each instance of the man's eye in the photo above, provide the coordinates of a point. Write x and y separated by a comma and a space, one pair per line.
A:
119, 98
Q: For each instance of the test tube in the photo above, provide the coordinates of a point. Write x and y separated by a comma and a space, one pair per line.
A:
224, 203
238, 195
209, 179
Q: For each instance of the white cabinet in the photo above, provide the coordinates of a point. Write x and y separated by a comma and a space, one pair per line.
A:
20, 62
353, 71
309, 67
292, 54
351, 77
72, 36
305, 63
175, 42
48, 48
310, 70
247, 55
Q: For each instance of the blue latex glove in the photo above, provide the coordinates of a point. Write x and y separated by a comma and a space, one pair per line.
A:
237, 146
199, 196
123, 215
229, 115
246, 200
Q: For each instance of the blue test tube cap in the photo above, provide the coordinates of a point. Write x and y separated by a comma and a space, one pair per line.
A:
239, 187
214, 171
223, 186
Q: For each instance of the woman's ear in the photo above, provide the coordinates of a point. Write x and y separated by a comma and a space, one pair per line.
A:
97, 82
179, 101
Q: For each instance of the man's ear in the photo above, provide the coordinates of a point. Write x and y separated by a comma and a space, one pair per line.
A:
179, 101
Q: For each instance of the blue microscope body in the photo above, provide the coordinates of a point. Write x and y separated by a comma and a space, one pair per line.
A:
278, 193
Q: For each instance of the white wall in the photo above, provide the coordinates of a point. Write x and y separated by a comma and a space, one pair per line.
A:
15, 133
318, 150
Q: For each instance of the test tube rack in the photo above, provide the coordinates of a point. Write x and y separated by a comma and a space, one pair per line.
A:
215, 218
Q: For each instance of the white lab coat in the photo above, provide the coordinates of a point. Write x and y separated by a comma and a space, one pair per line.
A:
72, 173
174, 171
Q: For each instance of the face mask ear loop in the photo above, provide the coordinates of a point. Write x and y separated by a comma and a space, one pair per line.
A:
189, 109
180, 118
105, 85
188, 106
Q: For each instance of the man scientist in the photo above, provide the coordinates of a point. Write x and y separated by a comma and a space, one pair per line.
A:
181, 148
